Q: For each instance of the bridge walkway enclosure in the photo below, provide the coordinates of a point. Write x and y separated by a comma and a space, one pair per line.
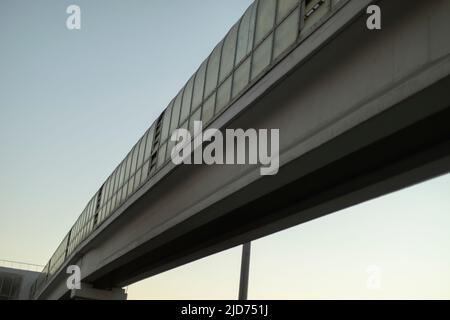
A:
361, 113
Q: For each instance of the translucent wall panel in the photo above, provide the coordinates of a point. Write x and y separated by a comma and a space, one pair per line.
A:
140, 160
114, 202
186, 104
130, 186
228, 53
123, 194
285, 7
137, 179
166, 122
241, 77
161, 155
145, 168
115, 181
105, 193
117, 199
117, 178
286, 34
208, 109
196, 116
245, 34
212, 71
110, 187
175, 113
223, 95
127, 171
265, 19
261, 57
133, 162
198, 86
122, 174
149, 143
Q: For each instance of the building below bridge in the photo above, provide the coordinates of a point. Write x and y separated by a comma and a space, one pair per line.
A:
16, 279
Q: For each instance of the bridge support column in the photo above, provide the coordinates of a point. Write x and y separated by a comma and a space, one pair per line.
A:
245, 271
87, 292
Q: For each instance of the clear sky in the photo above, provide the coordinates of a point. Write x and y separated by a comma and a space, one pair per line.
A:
72, 103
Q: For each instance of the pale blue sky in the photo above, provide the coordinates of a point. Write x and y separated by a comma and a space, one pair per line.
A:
72, 103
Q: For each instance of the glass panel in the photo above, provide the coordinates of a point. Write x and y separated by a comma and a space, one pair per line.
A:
117, 174
103, 214
284, 7
127, 172
241, 77
261, 57
108, 189
161, 155
113, 202
286, 33
145, 171
166, 124
118, 202
122, 174
137, 181
223, 95
187, 95
245, 35
228, 53
130, 186
265, 19
111, 185
124, 193
114, 183
208, 109
198, 86
213, 70
148, 147
104, 194
106, 197
141, 152
195, 117
175, 113
134, 159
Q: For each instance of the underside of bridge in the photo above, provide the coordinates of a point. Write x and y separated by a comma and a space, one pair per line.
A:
414, 154
360, 114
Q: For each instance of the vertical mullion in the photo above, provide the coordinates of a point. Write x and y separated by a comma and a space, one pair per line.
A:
216, 90
233, 70
181, 106
272, 49
147, 134
253, 42
204, 82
